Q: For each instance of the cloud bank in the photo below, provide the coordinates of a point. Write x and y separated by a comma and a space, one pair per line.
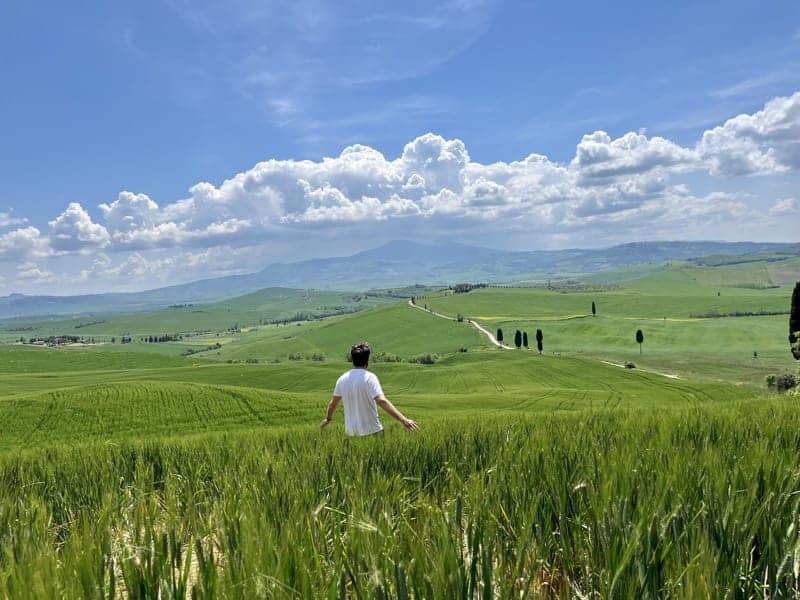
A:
611, 189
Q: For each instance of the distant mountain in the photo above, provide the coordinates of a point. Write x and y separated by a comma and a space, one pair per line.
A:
395, 264
571, 263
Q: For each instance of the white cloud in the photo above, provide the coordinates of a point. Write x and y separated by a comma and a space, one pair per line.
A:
435, 179
7, 219
74, 230
598, 156
439, 162
138, 267
329, 205
137, 223
631, 186
785, 206
170, 234
130, 212
766, 142
133, 269
32, 274
23, 244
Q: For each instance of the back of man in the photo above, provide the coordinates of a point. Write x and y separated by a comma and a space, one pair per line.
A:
362, 395
358, 389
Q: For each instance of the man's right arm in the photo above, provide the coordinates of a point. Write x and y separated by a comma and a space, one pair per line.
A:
332, 406
390, 408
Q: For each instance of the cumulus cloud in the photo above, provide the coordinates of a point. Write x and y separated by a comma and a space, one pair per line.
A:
628, 185
23, 244
599, 156
170, 234
31, 273
130, 212
7, 219
74, 230
138, 223
130, 270
766, 142
434, 179
786, 206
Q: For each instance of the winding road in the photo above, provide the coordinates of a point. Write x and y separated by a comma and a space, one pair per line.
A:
501, 345
481, 329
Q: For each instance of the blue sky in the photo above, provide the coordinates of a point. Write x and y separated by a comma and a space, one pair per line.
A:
154, 97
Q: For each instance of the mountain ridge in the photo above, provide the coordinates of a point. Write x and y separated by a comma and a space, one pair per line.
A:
393, 264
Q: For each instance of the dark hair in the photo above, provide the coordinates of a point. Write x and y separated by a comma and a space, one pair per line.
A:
359, 354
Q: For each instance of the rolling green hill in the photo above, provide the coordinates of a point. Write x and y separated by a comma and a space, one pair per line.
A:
127, 470
116, 403
673, 305
250, 310
750, 271
698, 321
396, 329
672, 294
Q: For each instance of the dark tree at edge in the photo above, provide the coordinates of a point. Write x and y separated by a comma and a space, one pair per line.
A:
794, 322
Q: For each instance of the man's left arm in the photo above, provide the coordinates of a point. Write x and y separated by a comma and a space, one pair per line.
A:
332, 406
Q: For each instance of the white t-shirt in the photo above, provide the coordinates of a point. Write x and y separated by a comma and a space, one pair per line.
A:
358, 389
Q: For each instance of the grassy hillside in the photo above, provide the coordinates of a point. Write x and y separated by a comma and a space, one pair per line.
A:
726, 271
244, 311
740, 277
397, 329
672, 294
16, 360
130, 471
705, 348
666, 306
112, 402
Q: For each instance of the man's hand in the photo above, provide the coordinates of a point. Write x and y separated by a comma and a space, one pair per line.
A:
410, 425
384, 403
332, 406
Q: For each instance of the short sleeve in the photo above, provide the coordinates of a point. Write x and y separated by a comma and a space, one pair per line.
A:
337, 390
374, 386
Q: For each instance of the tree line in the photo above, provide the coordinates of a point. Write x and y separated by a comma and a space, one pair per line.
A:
521, 337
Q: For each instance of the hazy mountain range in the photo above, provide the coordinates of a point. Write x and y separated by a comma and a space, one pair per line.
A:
395, 264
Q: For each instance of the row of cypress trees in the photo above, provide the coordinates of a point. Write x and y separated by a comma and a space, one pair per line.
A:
521, 339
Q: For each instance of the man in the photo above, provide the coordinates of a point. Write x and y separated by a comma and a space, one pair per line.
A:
362, 394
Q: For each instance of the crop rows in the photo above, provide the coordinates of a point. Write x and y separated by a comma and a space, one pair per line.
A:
119, 405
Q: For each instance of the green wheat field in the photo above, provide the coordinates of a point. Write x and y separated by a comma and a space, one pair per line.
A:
195, 468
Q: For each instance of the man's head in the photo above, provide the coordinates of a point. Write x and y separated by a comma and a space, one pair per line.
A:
359, 354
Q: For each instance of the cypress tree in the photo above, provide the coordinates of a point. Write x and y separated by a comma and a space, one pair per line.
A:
794, 322
500, 335
639, 339
525, 339
594, 309
539, 340
518, 339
